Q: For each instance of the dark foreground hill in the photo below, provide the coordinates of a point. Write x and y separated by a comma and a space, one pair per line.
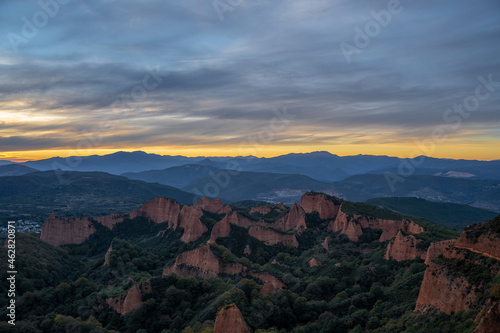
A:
15, 170
36, 195
451, 215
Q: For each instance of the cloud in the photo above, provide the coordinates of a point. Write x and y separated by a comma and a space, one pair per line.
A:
221, 80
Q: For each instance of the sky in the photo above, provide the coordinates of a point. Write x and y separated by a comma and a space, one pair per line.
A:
250, 77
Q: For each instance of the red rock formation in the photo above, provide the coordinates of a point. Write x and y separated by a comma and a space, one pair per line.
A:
268, 278
201, 262
314, 262
295, 219
242, 221
451, 291
213, 206
225, 210
230, 320
130, 300
272, 237
160, 210
389, 228
351, 225
190, 220
319, 202
109, 221
106, 256
325, 244
436, 248
60, 231
403, 248
486, 244
445, 294
266, 209
345, 224
221, 229
247, 251
490, 323
267, 288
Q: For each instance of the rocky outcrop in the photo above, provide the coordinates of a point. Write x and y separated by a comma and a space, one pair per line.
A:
230, 320
351, 226
490, 323
437, 248
221, 229
61, 231
267, 288
266, 209
160, 210
272, 237
213, 206
247, 251
130, 300
190, 220
201, 262
446, 294
325, 244
295, 219
451, 281
242, 221
347, 226
486, 243
106, 256
390, 228
314, 262
268, 278
321, 203
109, 221
403, 248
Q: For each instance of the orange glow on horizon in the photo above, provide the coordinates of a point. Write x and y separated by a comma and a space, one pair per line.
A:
404, 151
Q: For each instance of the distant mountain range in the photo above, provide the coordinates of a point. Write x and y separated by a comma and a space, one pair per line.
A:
321, 165
278, 179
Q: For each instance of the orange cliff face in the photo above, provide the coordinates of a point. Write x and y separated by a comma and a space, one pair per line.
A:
201, 262
60, 231
295, 219
487, 243
221, 229
346, 225
214, 206
190, 220
436, 249
266, 209
272, 237
131, 299
160, 210
319, 202
230, 320
451, 289
351, 226
403, 248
